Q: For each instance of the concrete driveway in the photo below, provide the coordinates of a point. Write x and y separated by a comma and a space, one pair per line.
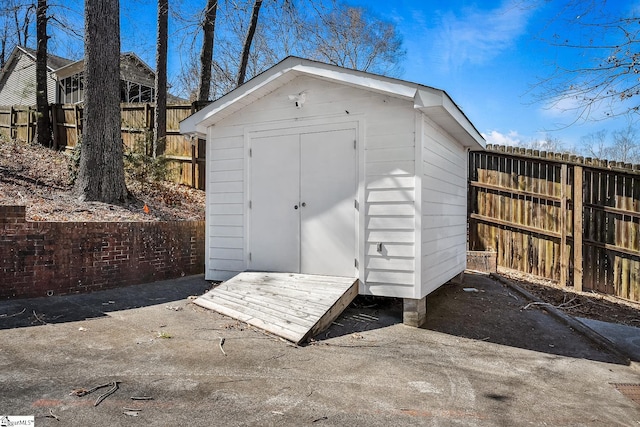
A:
481, 360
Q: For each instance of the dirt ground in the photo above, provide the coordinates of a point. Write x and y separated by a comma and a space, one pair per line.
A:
591, 305
39, 178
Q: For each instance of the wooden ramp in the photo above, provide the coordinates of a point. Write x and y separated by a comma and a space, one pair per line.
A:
293, 306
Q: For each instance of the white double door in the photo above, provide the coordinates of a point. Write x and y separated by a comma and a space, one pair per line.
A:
302, 217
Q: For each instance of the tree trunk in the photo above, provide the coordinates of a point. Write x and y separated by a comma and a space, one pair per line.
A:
206, 55
160, 123
242, 72
101, 172
3, 48
43, 122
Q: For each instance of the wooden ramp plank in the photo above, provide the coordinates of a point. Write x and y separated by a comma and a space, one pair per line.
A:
292, 306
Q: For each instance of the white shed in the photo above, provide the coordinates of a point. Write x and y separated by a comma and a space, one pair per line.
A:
313, 168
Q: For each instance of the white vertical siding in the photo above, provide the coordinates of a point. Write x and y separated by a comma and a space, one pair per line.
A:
225, 205
444, 208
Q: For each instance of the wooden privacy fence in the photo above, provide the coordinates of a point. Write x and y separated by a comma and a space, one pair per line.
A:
186, 157
570, 219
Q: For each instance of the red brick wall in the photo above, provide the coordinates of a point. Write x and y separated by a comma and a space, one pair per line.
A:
54, 258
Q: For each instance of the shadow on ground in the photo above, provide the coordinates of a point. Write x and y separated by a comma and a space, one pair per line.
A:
71, 308
479, 309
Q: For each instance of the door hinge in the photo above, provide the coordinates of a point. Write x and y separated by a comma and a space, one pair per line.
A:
249, 256
355, 204
249, 204
250, 152
355, 262
354, 144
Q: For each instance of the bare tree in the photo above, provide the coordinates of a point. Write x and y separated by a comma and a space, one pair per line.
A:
206, 55
351, 37
623, 146
242, 71
160, 123
101, 172
43, 122
626, 145
15, 23
307, 28
549, 143
22, 15
4, 39
607, 84
595, 144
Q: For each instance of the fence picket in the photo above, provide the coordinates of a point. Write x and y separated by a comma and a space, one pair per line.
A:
573, 220
186, 161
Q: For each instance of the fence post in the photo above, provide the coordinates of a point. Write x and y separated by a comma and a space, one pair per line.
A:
12, 131
577, 227
29, 129
563, 225
193, 163
76, 118
195, 107
54, 125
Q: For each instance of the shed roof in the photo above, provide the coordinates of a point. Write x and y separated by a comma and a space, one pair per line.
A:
435, 103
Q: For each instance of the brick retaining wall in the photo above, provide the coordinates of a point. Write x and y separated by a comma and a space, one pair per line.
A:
55, 258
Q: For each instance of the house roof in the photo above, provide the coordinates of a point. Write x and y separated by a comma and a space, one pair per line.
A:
435, 103
53, 62
140, 73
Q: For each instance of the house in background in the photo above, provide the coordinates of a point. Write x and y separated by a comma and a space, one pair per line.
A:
18, 77
65, 79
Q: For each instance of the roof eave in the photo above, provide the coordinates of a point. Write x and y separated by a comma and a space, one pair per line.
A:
435, 103
198, 122
441, 109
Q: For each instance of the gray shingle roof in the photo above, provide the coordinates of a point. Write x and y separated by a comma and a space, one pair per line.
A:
53, 62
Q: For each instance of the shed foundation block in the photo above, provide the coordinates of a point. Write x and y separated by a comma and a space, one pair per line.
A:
414, 312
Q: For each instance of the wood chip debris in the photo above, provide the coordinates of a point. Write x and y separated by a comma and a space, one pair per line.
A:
565, 305
113, 389
4, 316
38, 319
52, 415
361, 317
221, 344
79, 392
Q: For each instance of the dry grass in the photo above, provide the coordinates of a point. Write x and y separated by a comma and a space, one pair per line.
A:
38, 178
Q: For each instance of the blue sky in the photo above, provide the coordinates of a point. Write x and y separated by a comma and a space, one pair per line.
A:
488, 55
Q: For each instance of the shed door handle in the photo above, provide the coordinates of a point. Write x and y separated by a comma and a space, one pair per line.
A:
295, 207
304, 204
